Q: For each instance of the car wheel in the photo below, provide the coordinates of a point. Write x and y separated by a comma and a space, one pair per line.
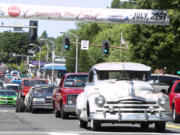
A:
160, 126
21, 105
144, 125
64, 115
95, 125
17, 105
57, 114
26, 109
33, 110
176, 118
29, 109
82, 124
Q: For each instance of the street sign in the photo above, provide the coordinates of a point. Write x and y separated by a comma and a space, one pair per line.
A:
84, 44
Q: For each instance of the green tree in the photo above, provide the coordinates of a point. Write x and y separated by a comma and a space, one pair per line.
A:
13, 43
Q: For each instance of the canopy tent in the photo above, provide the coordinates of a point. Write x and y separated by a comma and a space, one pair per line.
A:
55, 67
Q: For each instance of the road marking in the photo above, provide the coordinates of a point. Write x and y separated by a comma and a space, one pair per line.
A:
78, 133
62, 133
172, 126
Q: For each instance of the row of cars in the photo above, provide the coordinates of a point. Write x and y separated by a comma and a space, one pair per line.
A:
116, 92
112, 92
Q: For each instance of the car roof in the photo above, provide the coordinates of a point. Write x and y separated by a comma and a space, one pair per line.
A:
76, 74
115, 66
32, 79
168, 75
12, 84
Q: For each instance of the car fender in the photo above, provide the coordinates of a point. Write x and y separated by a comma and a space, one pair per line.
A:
81, 107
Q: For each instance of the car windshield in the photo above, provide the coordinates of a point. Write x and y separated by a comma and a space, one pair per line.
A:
75, 81
34, 82
44, 90
7, 93
123, 75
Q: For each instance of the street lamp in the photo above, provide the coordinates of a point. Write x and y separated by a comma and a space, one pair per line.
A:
47, 52
45, 39
39, 57
76, 67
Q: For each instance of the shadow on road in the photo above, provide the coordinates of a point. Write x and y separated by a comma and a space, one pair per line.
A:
128, 129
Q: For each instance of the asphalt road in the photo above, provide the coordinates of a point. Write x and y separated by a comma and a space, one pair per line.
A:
45, 123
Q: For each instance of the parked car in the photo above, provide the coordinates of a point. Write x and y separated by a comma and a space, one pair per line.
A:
64, 98
26, 84
121, 93
11, 86
39, 97
8, 97
163, 81
174, 100
17, 80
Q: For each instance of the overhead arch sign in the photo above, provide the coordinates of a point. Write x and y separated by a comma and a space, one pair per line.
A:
107, 15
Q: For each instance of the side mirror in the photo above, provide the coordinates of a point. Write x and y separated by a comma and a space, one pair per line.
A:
163, 91
151, 82
156, 82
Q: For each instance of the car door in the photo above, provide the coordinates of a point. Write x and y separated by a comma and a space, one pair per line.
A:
58, 93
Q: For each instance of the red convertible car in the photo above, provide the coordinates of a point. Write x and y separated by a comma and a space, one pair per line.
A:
64, 97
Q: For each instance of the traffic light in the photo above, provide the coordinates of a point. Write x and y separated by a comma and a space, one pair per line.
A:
66, 43
33, 31
105, 47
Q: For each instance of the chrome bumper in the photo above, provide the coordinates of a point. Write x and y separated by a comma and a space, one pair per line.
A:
43, 106
130, 117
70, 108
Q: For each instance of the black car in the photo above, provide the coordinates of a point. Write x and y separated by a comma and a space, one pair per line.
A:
39, 97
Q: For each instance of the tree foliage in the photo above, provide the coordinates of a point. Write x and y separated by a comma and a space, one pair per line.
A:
10, 43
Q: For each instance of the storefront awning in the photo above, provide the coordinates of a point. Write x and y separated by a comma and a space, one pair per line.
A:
55, 67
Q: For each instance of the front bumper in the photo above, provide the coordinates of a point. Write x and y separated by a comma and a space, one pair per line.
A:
131, 117
43, 106
7, 102
70, 108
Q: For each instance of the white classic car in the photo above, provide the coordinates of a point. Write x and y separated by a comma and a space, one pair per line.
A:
121, 92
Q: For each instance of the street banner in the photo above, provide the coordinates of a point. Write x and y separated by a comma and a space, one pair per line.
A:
107, 15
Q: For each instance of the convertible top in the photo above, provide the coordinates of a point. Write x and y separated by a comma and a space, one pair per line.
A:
115, 66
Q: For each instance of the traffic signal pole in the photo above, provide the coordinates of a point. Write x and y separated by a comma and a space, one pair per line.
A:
76, 66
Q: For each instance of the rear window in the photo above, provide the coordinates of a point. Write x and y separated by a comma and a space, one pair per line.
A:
33, 82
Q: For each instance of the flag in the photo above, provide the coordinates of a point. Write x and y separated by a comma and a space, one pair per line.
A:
122, 39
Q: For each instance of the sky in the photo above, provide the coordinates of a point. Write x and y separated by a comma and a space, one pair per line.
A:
53, 28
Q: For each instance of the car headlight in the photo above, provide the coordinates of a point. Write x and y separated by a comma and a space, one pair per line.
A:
100, 100
39, 99
163, 100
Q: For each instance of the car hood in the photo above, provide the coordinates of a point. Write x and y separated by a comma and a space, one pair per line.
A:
116, 90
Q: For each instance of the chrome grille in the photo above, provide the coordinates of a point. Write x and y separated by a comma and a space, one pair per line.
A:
132, 106
48, 99
72, 98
